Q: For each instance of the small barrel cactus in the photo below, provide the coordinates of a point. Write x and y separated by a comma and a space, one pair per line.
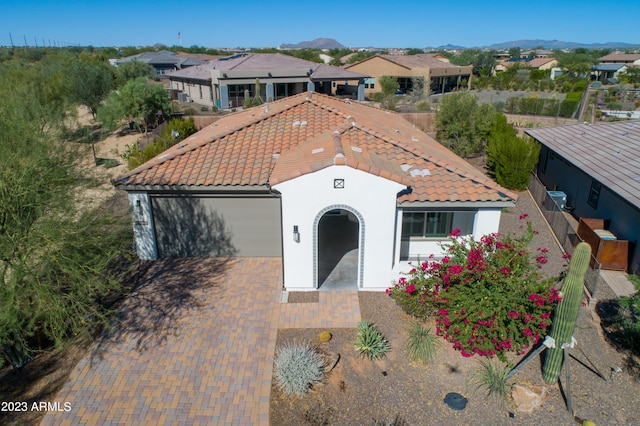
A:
325, 336
567, 311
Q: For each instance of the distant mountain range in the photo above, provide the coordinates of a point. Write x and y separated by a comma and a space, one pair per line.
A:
329, 43
319, 43
557, 44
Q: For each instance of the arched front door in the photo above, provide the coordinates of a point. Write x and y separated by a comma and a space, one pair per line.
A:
338, 250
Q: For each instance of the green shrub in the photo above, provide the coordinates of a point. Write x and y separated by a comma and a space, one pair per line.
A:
370, 342
204, 109
574, 96
378, 97
567, 108
580, 86
628, 319
297, 367
184, 128
422, 344
110, 163
510, 158
190, 111
423, 105
492, 378
512, 106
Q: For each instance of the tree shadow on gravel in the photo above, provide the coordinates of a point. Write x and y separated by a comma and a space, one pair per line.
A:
166, 290
626, 340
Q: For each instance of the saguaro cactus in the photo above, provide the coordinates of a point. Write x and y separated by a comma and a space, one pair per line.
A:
567, 311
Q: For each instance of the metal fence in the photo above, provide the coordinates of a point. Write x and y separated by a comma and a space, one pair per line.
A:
563, 229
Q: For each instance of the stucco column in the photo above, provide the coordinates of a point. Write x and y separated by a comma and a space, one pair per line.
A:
270, 97
143, 229
361, 90
224, 96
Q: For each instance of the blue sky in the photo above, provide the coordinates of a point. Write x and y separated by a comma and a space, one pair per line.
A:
355, 23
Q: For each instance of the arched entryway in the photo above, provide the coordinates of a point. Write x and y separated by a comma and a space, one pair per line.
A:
338, 249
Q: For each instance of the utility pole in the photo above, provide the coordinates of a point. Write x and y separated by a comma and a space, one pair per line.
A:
12, 46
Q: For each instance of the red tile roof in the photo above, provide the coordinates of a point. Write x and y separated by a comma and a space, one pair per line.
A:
300, 134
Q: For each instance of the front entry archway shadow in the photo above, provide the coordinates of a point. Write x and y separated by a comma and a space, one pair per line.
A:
338, 250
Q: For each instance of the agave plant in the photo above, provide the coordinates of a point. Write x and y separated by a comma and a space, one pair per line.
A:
370, 342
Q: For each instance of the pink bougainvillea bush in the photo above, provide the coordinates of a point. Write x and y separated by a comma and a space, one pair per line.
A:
487, 297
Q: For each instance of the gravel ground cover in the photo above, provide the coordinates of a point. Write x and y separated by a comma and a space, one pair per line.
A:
396, 391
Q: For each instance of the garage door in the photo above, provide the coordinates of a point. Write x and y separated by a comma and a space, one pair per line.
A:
217, 226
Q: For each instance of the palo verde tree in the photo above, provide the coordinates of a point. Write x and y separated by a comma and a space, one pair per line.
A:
462, 125
510, 158
54, 256
89, 84
139, 102
131, 70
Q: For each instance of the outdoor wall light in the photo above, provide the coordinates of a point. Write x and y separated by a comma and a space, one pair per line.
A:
296, 234
139, 207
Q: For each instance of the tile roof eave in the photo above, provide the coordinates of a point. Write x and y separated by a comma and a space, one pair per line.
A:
457, 204
210, 189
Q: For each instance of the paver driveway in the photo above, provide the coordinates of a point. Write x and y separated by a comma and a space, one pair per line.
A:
194, 345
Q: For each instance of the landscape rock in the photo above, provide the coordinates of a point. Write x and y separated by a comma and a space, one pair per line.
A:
528, 398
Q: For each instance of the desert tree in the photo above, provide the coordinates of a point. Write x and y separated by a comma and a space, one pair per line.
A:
139, 102
131, 70
462, 125
510, 158
54, 253
89, 84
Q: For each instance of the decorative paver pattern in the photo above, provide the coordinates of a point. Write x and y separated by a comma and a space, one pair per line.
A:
207, 362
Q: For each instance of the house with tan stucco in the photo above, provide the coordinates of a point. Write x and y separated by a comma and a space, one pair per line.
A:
436, 73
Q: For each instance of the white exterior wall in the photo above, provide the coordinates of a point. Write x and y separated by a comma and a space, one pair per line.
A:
305, 198
143, 230
487, 221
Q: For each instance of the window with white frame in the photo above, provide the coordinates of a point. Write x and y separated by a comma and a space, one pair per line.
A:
426, 224
436, 224
369, 83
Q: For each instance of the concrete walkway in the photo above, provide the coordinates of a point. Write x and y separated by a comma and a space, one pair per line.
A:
195, 354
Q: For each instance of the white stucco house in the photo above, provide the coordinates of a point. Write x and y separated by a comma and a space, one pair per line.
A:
315, 180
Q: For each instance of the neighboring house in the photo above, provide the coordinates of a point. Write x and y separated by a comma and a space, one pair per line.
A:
163, 61
225, 82
535, 63
435, 70
597, 166
313, 179
630, 59
604, 72
541, 53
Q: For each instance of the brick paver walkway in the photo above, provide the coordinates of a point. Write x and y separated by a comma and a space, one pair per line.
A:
204, 358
